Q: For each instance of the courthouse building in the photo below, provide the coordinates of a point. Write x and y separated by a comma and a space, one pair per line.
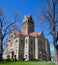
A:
27, 44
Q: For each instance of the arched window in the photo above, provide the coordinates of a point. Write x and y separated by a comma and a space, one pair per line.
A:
16, 41
26, 56
26, 41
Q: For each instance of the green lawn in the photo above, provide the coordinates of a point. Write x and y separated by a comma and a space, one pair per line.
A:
26, 63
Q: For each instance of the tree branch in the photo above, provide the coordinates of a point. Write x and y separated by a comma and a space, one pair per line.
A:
5, 32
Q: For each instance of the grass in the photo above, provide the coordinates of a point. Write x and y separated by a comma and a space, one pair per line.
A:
26, 63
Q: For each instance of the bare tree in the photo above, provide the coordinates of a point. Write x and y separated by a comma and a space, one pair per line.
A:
5, 27
49, 13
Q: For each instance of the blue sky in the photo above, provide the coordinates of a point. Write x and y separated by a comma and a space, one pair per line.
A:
25, 7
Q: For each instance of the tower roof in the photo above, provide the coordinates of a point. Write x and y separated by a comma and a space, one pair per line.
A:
35, 34
27, 17
15, 31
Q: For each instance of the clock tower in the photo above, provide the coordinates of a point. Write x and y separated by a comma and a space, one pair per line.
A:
27, 25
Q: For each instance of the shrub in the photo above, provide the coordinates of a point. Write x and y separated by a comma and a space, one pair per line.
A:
8, 58
40, 60
34, 60
23, 59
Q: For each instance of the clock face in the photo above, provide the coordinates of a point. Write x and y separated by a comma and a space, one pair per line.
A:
24, 27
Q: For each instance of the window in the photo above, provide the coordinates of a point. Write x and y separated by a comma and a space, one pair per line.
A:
16, 47
31, 22
22, 41
16, 41
11, 36
31, 49
16, 50
41, 43
26, 41
21, 48
31, 41
26, 56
